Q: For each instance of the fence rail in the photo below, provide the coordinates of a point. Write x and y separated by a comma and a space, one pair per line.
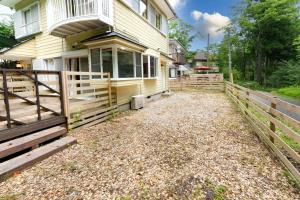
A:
275, 121
199, 81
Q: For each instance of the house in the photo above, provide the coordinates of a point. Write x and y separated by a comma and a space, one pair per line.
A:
126, 38
178, 53
201, 64
200, 59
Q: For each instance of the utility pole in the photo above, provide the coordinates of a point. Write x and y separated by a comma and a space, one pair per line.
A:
208, 44
229, 58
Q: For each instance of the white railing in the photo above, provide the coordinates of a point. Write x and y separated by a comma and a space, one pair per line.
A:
59, 11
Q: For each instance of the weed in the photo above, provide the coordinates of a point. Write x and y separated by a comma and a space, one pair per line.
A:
113, 115
123, 198
70, 166
77, 116
291, 179
10, 197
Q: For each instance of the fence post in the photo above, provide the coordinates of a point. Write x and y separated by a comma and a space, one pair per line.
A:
37, 95
6, 98
64, 93
272, 125
109, 90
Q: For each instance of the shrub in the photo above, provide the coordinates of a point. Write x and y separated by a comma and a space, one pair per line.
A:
288, 74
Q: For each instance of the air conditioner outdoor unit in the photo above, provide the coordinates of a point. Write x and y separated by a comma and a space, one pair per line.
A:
137, 102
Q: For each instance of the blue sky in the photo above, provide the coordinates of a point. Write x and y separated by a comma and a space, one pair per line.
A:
206, 16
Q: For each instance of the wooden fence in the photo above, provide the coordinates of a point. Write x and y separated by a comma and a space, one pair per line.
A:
199, 81
89, 99
275, 121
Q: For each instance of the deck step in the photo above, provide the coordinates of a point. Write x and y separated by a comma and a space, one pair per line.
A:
17, 145
26, 160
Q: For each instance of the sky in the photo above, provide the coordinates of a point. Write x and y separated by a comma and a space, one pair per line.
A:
206, 16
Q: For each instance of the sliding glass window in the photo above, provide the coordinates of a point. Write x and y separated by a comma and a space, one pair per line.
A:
125, 64
138, 65
107, 61
146, 66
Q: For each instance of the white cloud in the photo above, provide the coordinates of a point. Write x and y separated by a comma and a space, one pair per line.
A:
210, 23
177, 3
4, 11
196, 15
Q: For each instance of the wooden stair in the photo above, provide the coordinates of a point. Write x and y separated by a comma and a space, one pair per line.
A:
23, 152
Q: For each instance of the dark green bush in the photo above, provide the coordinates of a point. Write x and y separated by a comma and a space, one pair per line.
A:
288, 74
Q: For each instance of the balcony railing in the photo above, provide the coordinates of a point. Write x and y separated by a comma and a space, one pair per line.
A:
62, 12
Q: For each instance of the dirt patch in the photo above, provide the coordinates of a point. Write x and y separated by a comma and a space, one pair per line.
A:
189, 146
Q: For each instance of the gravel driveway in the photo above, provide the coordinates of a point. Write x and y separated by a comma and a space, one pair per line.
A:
188, 146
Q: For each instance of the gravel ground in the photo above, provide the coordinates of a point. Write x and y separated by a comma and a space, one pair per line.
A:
188, 146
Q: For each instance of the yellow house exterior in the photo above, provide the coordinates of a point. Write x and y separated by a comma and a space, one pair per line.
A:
127, 38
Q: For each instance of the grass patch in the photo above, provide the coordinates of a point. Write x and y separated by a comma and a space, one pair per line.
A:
292, 91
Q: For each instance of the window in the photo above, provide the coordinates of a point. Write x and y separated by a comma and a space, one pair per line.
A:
143, 8
138, 65
95, 60
172, 73
107, 61
150, 68
152, 15
158, 21
153, 66
106, 66
145, 66
139, 6
125, 64
27, 21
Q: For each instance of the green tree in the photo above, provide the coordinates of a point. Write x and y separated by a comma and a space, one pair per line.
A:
181, 31
7, 38
271, 26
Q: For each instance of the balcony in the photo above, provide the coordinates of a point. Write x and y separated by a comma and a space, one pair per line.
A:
69, 17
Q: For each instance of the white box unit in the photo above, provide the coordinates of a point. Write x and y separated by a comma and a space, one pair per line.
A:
137, 102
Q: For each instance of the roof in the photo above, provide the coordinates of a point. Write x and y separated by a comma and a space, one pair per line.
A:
200, 55
2, 51
171, 8
114, 34
9, 3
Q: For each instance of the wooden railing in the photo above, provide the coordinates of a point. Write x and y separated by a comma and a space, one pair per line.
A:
90, 99
29, 98
199, 81
276, 122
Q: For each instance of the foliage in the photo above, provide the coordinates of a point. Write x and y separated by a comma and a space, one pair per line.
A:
7, 38
262, 35
190, 55
180, 30
288, 74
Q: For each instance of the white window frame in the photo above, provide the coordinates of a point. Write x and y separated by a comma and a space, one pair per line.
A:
156, 68
115, 48
25, 24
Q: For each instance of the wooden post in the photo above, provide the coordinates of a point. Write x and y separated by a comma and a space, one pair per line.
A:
37, 95
65, 93
272, 125
6, 98
109, 90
